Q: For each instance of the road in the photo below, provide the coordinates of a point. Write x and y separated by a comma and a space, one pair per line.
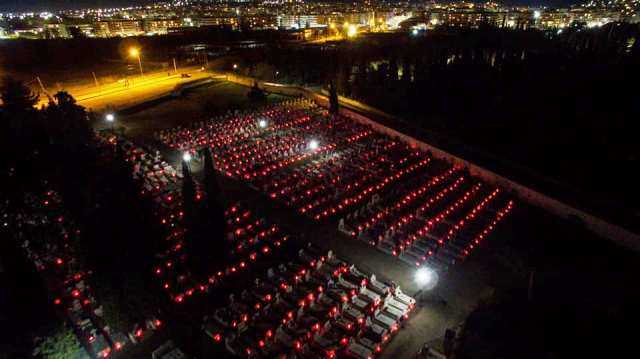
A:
135, 90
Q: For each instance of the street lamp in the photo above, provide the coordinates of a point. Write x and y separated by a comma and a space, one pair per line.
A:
313, 145
111, 118
425, 278
135, 52
262, 123
235, 66
186, 157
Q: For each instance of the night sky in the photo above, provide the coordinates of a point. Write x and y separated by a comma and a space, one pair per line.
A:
39, 5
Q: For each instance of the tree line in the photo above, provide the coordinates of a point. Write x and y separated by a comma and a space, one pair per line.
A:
559, 103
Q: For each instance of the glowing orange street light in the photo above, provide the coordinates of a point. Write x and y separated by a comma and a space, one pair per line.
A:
135, 52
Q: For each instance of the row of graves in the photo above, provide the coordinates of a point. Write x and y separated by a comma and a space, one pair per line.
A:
315, 305
378, 189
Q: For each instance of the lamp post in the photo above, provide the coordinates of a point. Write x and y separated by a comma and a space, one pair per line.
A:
426, 279
134, 52
313, 144
186, 157
110, 118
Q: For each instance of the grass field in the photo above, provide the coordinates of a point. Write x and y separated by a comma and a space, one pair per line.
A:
194, 105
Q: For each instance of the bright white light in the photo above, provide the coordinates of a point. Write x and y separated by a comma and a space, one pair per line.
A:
262, 123
559, 31
414, 32
536, 14
186, 156
110, 117
352, 31
425, 277
313, 145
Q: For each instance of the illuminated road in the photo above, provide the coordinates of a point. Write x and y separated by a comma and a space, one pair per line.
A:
118, 95
326, 39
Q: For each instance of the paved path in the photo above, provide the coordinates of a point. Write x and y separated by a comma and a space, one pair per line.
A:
140, 89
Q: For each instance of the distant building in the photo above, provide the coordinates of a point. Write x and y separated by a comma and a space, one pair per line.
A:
260, 22
120, 28
218, 21
56, 31
289, 21
28, 32
161, 26
82, 29
359, 18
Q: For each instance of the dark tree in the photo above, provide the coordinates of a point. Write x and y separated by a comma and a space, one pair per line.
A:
120, 218
16, 96
66, 122
256, 93
214, 221
20, 136
210, 180
199, 245
70, 148
333, 99
393, 69
188, 196
18, 119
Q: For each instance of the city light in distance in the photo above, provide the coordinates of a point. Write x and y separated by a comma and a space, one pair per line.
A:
186, 156
313, 145
110, 117
537, 14
262, 123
